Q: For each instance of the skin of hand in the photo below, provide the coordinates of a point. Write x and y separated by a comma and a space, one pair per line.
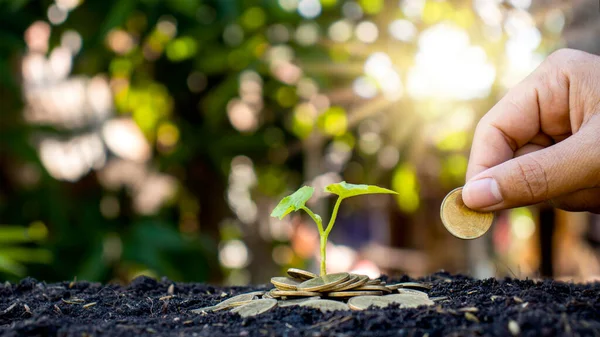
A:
541, 141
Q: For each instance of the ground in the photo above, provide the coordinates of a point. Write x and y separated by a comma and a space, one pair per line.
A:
543, 308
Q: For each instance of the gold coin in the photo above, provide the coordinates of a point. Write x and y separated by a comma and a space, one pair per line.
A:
363, 302
412, 292
293, 293
297, 301
242, 297
284, 283
408, 300
359, 282
409, 285
462, 221
271, 293
255, 307
353, 293
204, 309
374, 287
232, 300
231, 305
301, 274
353, 278
323, 283
325, 305
375, 282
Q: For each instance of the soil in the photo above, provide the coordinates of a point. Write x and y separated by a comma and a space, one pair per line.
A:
542, 308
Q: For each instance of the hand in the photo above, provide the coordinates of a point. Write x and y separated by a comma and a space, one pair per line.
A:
541, 142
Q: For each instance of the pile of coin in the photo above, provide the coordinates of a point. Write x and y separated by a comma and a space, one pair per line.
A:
341, 291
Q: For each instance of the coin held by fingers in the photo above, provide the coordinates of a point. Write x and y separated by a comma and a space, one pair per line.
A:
462, 221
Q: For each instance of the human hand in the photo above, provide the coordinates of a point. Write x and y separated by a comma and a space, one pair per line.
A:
541, 142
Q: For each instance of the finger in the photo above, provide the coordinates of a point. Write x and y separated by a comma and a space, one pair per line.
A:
583, 200
538, 104
527, 149
539, 142
571, 165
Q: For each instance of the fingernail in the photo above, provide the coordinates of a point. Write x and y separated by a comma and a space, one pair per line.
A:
482, 193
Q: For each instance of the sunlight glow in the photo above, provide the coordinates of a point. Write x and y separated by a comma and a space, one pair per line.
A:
340, 31
447, 66
234, 254
241, 180
309, 9
57, 15
70, 160
307, 33
402, 30
367, 32
125, 139
381, 73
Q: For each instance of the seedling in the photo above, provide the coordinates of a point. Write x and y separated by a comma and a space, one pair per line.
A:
297, 201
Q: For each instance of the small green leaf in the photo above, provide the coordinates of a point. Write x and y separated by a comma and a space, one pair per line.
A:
346, 190
293, 202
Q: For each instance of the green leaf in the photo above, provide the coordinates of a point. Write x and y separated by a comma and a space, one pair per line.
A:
346, 190
293, 202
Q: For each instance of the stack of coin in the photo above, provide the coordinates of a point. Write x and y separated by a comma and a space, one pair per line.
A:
328, 292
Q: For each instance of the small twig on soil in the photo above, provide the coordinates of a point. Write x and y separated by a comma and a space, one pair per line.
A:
27, 310
72, 284
165, 306
8, 309
164, 298
171, 289
514, 328
85, 306
151, 305
469, 309
72, 301
469, 316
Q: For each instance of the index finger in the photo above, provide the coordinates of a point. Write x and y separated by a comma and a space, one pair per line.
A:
537, 105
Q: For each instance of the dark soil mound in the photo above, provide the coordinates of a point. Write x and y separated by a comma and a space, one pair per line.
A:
547, 308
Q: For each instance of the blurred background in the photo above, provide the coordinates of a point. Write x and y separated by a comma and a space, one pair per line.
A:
155, 137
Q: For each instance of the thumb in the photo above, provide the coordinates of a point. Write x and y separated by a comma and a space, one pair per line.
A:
563, 168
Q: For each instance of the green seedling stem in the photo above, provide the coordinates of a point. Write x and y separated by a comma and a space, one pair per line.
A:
297, 200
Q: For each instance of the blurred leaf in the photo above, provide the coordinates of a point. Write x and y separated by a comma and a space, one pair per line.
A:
404, 181
27, 255
164, 250
9, 266
334, 121
181, 49
371, 6
346, 190
20, 234
293, 202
